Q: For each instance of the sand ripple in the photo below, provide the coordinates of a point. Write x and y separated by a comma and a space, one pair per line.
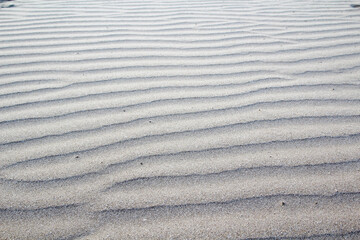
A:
179, 120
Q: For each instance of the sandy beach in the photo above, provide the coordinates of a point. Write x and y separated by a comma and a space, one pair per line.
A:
198, 119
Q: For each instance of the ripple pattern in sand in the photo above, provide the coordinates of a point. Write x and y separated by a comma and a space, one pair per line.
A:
179, 119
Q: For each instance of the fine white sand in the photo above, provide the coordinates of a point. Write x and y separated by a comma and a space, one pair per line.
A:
198, 119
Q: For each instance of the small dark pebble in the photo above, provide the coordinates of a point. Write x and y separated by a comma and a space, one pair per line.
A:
141, 163
77, 157
333, 89
283, 203
150, 122
316, 203
124, 110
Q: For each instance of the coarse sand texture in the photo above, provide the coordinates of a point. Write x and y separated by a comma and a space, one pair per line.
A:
169, 119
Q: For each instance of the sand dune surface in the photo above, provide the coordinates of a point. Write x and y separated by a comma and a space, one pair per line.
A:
162, 119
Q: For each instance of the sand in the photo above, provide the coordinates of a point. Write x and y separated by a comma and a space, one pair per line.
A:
179, 119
